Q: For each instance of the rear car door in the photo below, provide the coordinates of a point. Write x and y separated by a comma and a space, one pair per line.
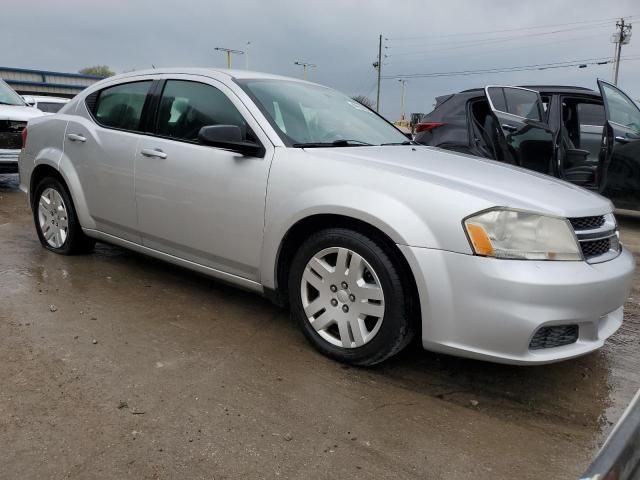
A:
620, 148
518, 119
198, 202
101, 141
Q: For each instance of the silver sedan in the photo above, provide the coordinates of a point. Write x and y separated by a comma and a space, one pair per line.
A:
295, 191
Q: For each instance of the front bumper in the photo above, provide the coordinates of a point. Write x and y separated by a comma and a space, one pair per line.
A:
489, 309
9, 161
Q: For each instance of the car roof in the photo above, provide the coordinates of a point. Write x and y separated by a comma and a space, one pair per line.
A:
561, 89
543, 89
220, 74
207, 72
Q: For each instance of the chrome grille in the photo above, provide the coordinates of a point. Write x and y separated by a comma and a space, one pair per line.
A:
595, 247
587, 223
598, 237
11, 134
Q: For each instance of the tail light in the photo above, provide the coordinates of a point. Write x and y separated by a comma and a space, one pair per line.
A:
24, 137
428, 126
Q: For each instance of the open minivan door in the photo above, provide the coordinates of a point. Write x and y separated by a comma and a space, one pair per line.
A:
518, 120
620, 153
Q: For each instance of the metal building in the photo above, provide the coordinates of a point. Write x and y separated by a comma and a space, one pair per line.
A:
42, 82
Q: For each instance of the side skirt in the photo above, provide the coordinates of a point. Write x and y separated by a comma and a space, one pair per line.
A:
208, 271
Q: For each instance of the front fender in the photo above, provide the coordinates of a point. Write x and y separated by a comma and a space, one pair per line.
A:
389, 215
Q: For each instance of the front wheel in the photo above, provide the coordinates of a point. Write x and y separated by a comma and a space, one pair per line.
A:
348, 296
56, 221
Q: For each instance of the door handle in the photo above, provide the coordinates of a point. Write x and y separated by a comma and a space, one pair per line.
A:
154, 153
509, 128
74, 137
627, 138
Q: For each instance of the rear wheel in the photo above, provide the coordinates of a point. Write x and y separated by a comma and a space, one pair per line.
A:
56, 221
348, 297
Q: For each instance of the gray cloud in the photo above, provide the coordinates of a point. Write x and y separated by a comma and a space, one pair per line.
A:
339, 36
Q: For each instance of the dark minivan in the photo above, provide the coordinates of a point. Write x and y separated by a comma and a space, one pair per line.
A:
588, 138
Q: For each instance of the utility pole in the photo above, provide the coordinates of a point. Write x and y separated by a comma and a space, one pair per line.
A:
229, 51
621, 37
378, 65
402, 91
304, 67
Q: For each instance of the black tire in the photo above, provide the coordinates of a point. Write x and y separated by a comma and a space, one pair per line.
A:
76, 242
396, 329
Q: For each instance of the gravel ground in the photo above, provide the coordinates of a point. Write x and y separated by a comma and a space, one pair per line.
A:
114, 365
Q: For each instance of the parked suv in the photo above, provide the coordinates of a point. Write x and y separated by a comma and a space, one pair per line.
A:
46, 104
588, 138
298, 192
14, 115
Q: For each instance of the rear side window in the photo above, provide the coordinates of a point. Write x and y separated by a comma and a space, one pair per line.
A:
121, 106
188, 106
523, 103
517, 101
591, 114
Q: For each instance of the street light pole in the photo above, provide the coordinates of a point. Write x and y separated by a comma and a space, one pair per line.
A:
229, 51
379, 66
402, 91
304, 65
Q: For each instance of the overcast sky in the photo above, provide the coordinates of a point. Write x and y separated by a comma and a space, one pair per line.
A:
341, 37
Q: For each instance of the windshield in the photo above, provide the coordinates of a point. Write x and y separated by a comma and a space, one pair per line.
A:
8, 96
311, 115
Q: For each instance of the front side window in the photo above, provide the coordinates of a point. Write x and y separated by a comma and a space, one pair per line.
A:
188, 106
121, 106
310, 115
621, 109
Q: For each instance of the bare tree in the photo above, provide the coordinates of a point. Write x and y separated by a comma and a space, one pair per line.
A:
366, 101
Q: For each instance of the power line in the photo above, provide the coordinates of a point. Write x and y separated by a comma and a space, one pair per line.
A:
518, 68
474, 43
488, 51
512, 29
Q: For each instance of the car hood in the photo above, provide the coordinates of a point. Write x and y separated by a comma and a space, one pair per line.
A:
497, 183
18, 112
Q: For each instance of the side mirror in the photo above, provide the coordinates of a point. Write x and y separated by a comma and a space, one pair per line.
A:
229, 137
30, 101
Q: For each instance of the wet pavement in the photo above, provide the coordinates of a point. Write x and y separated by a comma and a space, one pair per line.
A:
114, 365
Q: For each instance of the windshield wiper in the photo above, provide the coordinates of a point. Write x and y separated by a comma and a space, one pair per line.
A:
406, 142
336, 143
8, 103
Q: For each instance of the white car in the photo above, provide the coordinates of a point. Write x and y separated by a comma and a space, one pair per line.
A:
296, 191
14, 115
46, 104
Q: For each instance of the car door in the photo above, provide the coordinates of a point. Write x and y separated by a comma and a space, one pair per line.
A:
101, 141
197, 202
518, 121
620, 148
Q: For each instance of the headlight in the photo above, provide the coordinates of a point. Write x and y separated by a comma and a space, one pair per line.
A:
503, 233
